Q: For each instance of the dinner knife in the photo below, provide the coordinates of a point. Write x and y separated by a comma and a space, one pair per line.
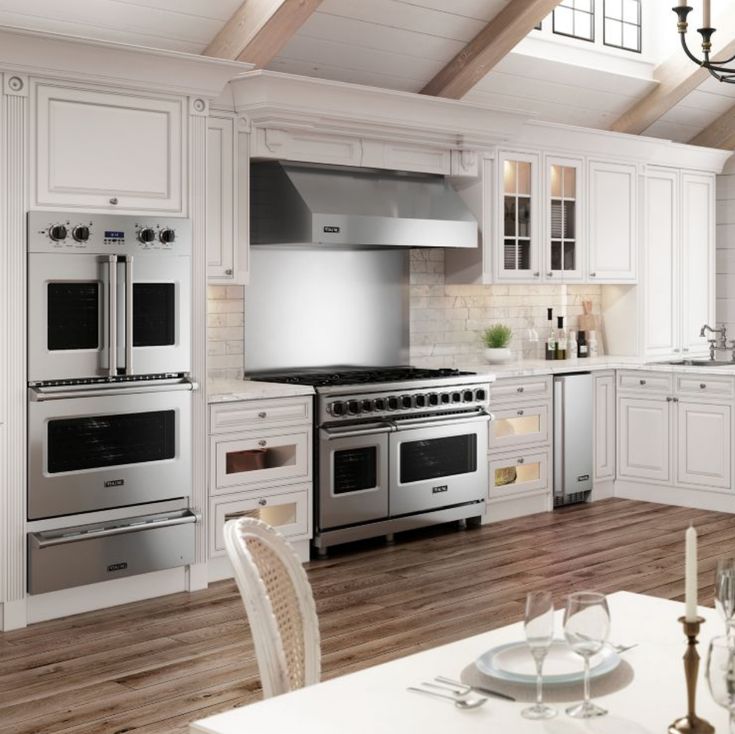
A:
479, 689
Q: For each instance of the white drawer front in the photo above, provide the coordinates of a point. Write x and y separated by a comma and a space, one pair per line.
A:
261, 458
517, 473
645, 382
519, 389
289, 513
519, 426
250, 415
705, 385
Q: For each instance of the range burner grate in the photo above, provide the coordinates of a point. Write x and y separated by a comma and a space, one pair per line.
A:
357, 376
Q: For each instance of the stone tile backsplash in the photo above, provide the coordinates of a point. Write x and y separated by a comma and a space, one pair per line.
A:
446, 321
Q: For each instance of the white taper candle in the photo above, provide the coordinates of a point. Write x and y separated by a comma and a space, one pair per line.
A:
706, 15
690, 574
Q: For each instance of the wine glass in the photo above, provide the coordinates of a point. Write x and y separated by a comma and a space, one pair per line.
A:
725, 593
586, 627
720, 674
538, 625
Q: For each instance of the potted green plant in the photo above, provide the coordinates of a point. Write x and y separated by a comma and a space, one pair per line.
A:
497, 338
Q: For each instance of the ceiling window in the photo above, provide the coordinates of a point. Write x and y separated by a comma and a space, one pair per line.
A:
575, 18
622, 24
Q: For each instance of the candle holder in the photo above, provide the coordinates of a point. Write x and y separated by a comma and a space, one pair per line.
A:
691, 723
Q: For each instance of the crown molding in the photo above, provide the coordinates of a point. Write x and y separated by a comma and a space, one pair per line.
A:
56, 55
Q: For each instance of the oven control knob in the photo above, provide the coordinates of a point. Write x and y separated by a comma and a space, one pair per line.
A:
167, 236
433, 399
368, 406
456, 397
467, 396
406, 401
57, 232
147, 234
80, 233
337, 408
392, 403
353, 407
419, 400
479, 394
445, 398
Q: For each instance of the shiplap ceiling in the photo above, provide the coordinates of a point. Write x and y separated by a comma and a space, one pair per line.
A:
402, 44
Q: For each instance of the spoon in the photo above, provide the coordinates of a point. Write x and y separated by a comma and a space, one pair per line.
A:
468, 702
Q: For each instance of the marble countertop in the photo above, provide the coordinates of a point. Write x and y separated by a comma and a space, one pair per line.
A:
225, 391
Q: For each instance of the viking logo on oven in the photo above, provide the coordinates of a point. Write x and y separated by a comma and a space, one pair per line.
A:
115, 483
117, 566
440, 488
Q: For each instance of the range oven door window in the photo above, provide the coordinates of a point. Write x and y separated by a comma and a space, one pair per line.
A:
154, 314
437, 464
100, 441
73, 314
353, 477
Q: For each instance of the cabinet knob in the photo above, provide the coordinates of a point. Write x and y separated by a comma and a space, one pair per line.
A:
262, 503
593, 275
668, 399
262, 442
702, 385
549, 274
520, 389
262, 414
228, 271
685, 349
643, 382
676, 400
536, 274
113, 200
520, 412
521, 460
676, 350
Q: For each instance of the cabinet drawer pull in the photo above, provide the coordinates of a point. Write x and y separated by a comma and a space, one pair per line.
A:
519, 389
521, 460
702, 385
262, 442
262, 503
113, 200
676, 350
536, 274
228, 271
520, 412
686, 349
550, 274
643, 382
593, 275
262, 414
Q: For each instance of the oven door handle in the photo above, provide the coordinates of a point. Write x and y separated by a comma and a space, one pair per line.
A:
440, 421
185, 519
112, 315
353, 432
128, 314
41, 394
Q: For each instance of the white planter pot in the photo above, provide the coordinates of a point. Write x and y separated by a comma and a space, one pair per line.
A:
495, 356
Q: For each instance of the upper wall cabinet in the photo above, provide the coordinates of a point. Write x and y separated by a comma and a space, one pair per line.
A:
563, 236
613, 222
517, 251
107, 151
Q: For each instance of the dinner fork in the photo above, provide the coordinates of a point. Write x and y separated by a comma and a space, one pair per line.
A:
467, 702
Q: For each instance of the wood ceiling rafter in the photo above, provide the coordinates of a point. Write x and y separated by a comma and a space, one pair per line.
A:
676, 77
719, 134
510, 26
259, 29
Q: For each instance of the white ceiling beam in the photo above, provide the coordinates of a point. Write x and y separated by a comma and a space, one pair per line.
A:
510, 26
259, 29
676, 78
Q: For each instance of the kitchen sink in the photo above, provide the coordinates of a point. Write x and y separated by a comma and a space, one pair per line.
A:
699, 363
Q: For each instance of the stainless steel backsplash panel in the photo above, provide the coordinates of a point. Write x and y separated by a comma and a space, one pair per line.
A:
309, 307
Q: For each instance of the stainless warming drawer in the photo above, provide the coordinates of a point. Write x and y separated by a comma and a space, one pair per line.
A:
59, 559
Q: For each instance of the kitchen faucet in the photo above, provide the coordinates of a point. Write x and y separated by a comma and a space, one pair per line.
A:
713, 347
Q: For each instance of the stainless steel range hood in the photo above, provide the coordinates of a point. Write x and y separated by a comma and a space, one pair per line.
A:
293, 203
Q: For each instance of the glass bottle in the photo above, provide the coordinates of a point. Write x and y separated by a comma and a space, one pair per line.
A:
551, 337
592, 344
572, 346
582, 349
561, 339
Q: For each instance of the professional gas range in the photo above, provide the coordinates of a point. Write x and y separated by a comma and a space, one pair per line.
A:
396, 448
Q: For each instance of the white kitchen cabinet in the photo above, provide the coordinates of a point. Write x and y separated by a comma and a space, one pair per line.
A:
518, 252
697, 259
519, 473
644, 438
604, 427
704, 455
563, 238
228, 196
612, 222
107, 151
521, 425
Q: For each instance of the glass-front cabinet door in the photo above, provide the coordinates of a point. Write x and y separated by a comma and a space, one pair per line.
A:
518, 251
562, 246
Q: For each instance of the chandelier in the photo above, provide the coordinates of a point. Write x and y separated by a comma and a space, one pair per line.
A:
715, 67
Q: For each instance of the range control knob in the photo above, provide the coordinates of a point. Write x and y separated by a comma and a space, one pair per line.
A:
80, 233
167, 236
57, 232
147, 234
337, 408
353, 407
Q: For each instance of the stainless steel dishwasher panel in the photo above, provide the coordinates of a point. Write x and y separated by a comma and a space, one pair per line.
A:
60, 559
573, 431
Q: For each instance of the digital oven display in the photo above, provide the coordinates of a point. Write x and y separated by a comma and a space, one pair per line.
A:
114, 235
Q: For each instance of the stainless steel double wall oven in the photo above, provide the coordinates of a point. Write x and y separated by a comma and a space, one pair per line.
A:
109, 411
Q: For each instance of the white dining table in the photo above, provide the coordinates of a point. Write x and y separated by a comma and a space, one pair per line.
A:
375, 700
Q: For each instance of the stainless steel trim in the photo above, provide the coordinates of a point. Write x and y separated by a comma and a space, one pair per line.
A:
434, 421
41, 394
112, 315
558, 485
50, 538
129, 315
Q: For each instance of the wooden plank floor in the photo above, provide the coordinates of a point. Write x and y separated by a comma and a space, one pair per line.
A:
154, 666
